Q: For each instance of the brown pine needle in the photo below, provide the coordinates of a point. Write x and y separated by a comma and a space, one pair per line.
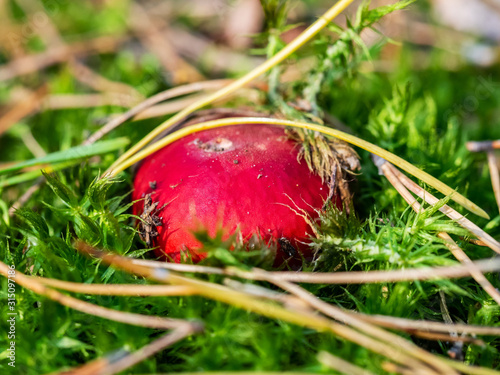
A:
389, 322
442, 337
65, 101
168, 108
121, 164
352, 277
58, 54
362, 277
495, 175
99, 83
89, 308
472, 370
180, 267
457, 252
447, 210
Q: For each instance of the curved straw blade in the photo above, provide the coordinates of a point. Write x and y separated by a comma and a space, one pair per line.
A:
394, 159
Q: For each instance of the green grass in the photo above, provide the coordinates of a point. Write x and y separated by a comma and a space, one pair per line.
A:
421, 115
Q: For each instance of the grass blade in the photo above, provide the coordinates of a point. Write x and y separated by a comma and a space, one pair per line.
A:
73, 153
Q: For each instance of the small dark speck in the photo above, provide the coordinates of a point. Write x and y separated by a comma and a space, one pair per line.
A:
259, 176
152, 184
236, 161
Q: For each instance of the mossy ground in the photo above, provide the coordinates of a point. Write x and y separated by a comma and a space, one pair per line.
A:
425, 115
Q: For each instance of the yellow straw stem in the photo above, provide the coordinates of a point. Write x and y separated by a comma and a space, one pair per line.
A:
290, 48
401, 163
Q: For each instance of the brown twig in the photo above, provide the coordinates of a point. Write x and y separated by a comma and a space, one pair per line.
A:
148, 30
495, 175
65, 101
391, 341
423, 325
99, 83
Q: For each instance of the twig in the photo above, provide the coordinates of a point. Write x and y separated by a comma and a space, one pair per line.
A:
423, 325
90, 78
26, 196
124, 162
495, 176
362, 277
447, 210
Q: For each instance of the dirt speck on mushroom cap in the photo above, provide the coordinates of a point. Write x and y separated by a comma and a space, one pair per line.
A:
199, 184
